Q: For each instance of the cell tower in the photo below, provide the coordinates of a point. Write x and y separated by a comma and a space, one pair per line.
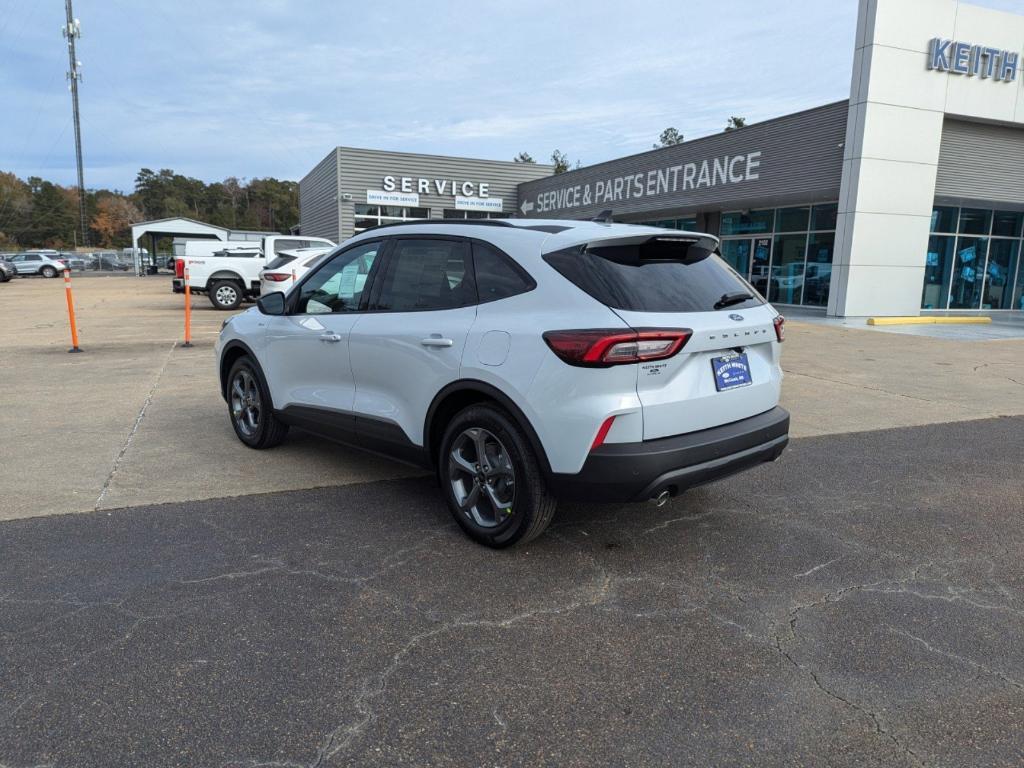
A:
72, 31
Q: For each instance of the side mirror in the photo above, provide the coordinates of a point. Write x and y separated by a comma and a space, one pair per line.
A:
271, 304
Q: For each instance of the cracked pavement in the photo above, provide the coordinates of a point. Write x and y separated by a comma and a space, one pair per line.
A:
859, 603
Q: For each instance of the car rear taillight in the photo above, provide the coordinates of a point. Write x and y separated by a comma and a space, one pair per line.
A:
780, 327
276, 277
602, 348
179, 268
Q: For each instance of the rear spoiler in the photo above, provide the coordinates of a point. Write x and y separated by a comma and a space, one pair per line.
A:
701, 240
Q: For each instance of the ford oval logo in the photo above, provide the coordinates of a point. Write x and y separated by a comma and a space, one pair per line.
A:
736, 317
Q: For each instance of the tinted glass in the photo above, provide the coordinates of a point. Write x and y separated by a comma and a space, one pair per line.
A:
975, 221
824, 216
496, 277
33, 258
287, 245
736, 254
792, 219
1007, 224
818, 275
787, 275
367, 210
937, 271
338, 285
660, 276
999, 274
427, 274
759, 267
968, 273
944, 219
279, 261
740, 223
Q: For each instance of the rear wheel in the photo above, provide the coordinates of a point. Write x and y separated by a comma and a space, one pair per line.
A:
249, 407
225, 294
48, 272
491, 479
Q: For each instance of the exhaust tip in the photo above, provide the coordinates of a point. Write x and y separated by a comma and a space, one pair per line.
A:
661, 498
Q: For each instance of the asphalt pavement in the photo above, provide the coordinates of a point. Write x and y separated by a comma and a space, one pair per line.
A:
859, 603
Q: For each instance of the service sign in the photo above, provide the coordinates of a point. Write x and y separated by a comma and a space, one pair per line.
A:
492, 204
379, 197
664, 181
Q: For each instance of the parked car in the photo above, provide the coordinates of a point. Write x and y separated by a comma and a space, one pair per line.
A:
7, 270
523, 361
110, 262
285, 270
229, 271
37, 263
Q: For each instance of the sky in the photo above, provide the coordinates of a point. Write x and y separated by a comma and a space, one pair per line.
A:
254, 88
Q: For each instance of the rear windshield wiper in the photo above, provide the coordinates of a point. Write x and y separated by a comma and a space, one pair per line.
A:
728, 299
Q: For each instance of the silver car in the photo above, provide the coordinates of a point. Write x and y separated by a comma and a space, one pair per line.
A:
37, 264
7, 270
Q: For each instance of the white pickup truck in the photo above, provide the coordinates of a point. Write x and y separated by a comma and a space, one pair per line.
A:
229, 271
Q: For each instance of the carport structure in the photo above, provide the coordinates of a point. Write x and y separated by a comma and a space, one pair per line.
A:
178, 226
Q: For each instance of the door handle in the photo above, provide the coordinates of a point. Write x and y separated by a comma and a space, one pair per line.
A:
436, 341
331, 337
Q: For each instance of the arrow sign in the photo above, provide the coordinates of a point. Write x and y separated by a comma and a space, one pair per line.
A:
526, 207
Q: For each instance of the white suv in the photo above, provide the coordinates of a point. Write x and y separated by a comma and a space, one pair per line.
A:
523, 361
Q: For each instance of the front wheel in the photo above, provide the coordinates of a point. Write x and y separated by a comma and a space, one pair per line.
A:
48, 272
491, 479
249, 407
225, 294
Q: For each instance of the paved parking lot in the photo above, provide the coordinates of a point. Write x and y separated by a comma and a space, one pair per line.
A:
859, 603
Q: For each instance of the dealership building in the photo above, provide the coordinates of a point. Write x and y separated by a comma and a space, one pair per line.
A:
907, 197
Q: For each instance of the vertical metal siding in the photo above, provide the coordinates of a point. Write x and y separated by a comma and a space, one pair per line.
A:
981, 162
801, 161
363, 169
318, 200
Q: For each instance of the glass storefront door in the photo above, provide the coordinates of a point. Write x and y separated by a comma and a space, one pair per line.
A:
751, 257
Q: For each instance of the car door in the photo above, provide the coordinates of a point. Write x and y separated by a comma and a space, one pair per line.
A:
306, 357
29, 264
410, 344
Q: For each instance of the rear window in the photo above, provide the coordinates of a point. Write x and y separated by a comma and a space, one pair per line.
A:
660, 275
279, 261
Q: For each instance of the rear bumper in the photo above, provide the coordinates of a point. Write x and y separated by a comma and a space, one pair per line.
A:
618, 472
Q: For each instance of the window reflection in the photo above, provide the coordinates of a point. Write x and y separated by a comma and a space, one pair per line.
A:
968, 273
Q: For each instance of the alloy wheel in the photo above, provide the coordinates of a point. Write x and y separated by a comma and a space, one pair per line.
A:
482, 477
246, 407
226, 295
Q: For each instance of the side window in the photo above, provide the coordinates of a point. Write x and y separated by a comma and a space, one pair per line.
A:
286, 245
496, 276
337, 286
33, 258
427, 274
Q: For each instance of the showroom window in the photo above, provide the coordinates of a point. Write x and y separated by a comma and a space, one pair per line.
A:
688, 224
451, 213
374, 215
973, 260
786, 253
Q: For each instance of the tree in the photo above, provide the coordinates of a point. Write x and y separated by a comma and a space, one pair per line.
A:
523, 157
115, 215
736, 122
669, 138
561, 161
15, 208
52, 219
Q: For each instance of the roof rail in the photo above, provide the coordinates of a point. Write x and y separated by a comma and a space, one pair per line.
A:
463, 222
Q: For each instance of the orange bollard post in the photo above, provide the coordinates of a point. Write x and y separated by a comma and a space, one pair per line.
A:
188, 311
71, 312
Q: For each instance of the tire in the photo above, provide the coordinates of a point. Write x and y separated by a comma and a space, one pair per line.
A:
48, 271
506, 448
249, 409
226, 295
